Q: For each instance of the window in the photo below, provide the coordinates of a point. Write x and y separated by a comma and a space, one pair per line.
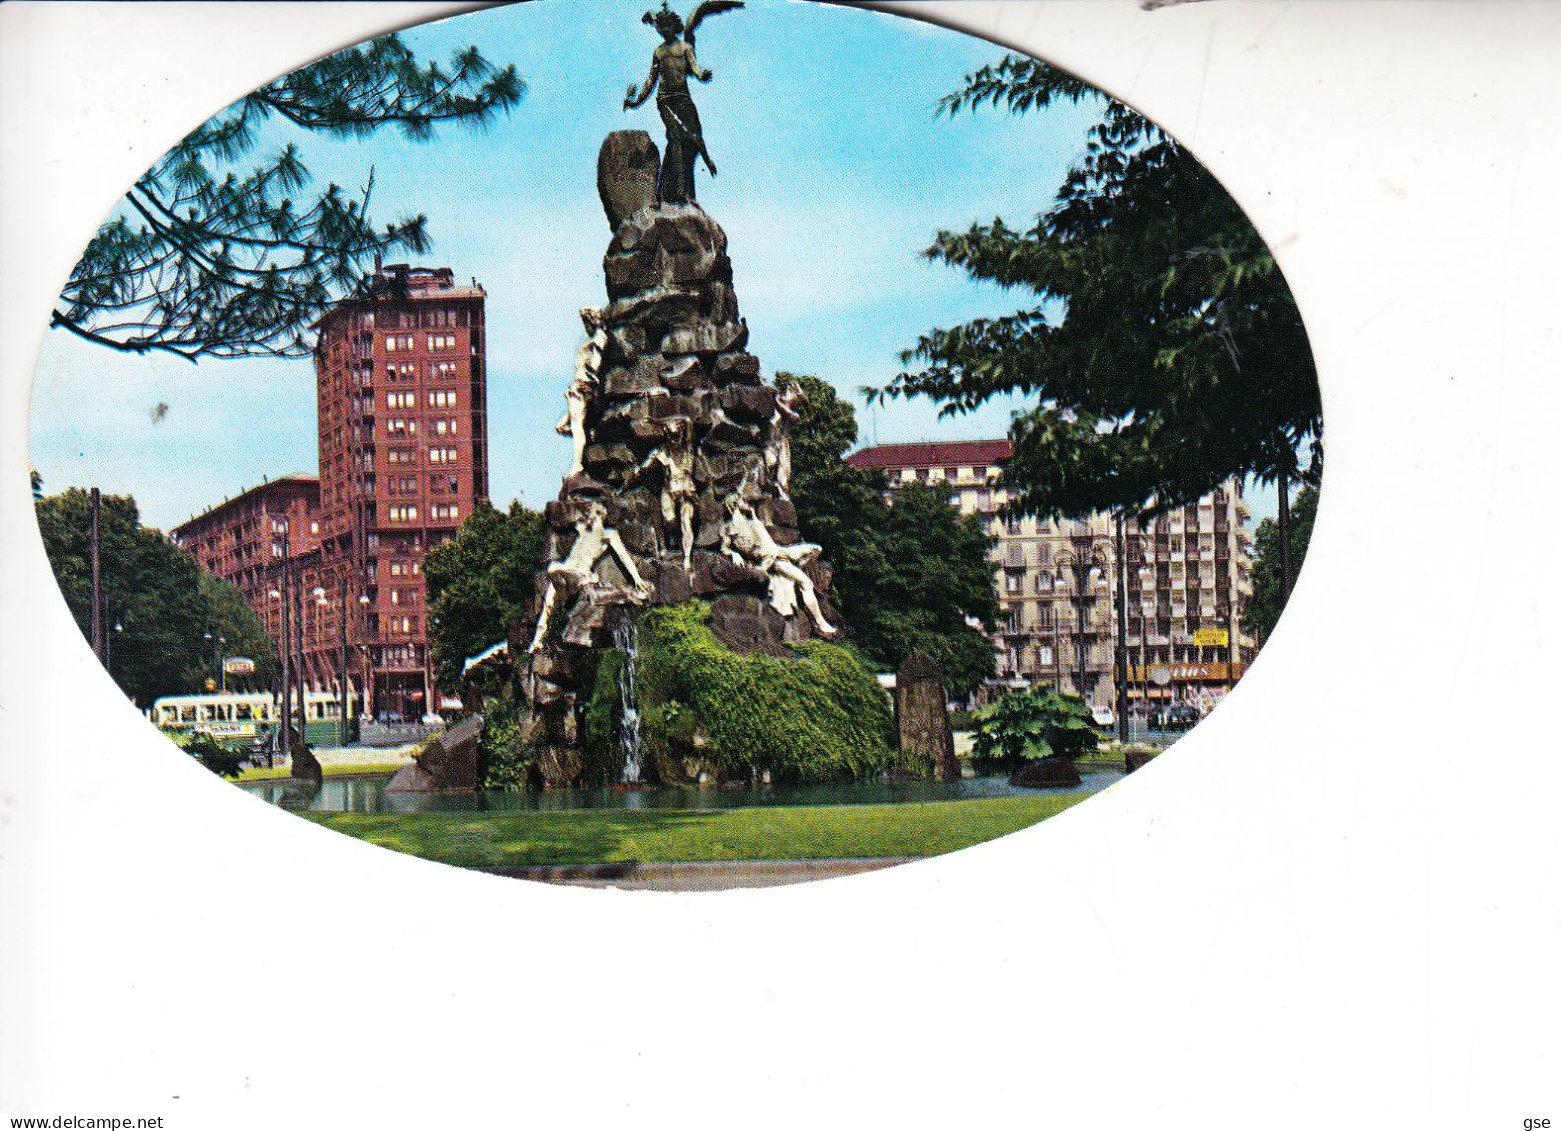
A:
442, 371
444, 484
442, 455
445, 427
446, 511
400, 371
401, 400
442, 399
403, 514
440, 342
398, 455
401, 427
440, 316
398, 343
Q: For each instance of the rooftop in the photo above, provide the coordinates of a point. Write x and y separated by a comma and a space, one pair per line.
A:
296, 479
929, 453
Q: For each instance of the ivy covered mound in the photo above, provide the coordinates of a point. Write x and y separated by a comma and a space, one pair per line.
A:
709, 715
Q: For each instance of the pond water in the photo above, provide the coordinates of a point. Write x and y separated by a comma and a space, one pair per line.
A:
367, 794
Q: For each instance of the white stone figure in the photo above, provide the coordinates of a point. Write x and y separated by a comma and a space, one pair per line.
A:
593, 540
748, 542
777, 453
587, 380
678, 492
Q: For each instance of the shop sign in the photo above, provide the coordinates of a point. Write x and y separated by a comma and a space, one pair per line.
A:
1211, 638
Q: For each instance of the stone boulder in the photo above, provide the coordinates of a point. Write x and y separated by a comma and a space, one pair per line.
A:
1137, 757
921, 714
1041, 773
447, 764
627, 168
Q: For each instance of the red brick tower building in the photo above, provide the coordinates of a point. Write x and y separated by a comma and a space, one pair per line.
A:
403, 460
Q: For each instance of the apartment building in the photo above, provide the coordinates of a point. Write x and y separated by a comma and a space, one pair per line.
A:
1179, 595
402, 393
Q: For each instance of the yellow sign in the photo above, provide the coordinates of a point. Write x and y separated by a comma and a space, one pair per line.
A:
1211, 638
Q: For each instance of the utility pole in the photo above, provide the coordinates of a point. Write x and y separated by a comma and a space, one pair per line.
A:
298, 658
97, 584
1121, 664
1285, 576
344, 707
287, 656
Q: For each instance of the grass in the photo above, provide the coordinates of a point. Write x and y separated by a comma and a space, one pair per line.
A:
276, 773
489, 840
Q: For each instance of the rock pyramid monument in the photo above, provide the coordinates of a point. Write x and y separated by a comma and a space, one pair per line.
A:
679, 487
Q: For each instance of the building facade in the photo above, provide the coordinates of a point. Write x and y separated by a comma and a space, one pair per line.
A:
402, 390
403, 441
246, 540
1177, 599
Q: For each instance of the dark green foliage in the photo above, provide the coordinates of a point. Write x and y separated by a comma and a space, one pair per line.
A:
906, 575
479, 583
164, 602
202, 260
1268, 602
1032, 724
1163, 349
601, 756
821, 716
225, 761
233, 619
505, 761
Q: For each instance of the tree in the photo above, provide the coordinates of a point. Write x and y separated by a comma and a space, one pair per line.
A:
205, 262
163, 601
907, 575
231, 618
1268, 595
1162, 346
480, 583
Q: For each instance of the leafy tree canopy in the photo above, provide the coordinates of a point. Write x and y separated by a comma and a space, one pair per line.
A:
479, 583
205, 260
1268, 602
162, 601
1161, 345
907, 576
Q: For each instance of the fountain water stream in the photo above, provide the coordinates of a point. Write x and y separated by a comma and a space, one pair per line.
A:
626, 637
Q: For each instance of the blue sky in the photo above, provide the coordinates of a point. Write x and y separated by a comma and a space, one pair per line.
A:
835, 174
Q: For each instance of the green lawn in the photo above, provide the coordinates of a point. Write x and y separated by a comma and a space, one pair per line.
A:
276, 773
486, 840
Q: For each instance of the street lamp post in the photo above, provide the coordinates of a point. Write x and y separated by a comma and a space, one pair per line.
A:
367, 690
108, 649
1087, 562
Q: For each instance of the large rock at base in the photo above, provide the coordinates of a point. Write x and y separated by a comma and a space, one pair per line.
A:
627, 167
747, 625
1040, 773
921, 712
447, 764
1137, 757
559, 766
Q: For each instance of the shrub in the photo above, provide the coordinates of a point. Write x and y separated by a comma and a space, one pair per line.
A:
225, 761
506, 761
818, 716
1032, 724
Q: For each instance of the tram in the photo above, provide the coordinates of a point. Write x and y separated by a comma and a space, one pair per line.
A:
238, 718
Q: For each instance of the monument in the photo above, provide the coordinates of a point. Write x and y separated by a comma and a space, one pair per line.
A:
679, 484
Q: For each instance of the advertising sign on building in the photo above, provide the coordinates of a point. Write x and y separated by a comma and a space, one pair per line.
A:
239, 665
1211, 638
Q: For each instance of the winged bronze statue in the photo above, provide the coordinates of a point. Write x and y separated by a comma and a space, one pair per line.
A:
670, 67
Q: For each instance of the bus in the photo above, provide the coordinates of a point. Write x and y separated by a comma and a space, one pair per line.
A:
238, 718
